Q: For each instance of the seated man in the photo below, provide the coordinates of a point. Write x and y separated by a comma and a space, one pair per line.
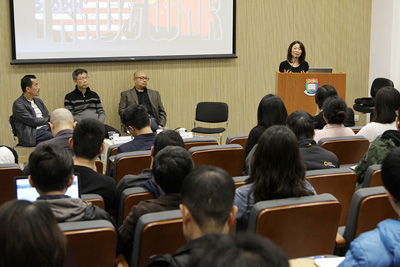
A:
314, 156
151, 99
207, 207
380, 246
378, 150
85, 103
51, 174
30, 115
170, 167
87, 143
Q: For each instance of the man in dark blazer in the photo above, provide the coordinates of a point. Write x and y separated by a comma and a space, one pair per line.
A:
140, 94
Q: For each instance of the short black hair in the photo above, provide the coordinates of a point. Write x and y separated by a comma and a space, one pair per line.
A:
301, 123
51, 167
170, 167
77, 72
27, 82
387, 101
335, 110
242, 249
323, 93
88, 137
391, 173
136, 116
167, 138
208, 192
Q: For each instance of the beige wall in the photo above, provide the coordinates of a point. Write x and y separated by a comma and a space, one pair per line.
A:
336, 34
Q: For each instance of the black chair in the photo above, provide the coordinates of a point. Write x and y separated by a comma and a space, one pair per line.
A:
211, 112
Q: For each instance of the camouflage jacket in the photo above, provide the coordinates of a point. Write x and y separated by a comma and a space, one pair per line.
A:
377, 152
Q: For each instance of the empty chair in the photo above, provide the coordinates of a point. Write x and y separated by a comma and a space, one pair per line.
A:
240, 139
373, 176
228, 157
369, 206
348, 149
7, 173
341, 183
157, 233
199, 141
131, 163
90, 243
129, 198
95, 199
301, 226
211, 112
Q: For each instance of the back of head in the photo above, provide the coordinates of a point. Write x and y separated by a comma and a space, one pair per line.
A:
77, 72
208, 192
170, 167
335, 110
51, 168
391, 173
277, 169
88, 137
301, 123
26, 82
323, 93
136, 116
29, 235
62, 117
271, 111
387, 101
242, 249
167, 138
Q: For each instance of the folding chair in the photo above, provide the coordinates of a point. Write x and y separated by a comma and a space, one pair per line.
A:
131, 163
372, 176
240, 139
348, 149
199, 141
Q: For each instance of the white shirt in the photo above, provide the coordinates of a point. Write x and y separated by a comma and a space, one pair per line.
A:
38, 112
372, 130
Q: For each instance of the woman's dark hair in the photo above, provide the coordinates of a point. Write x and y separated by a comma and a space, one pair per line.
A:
277, 169
323, 93
29, 235
387, 101
302, 57
271, 111
335, 110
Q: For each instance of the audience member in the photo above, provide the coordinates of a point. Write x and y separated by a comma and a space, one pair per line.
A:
277, 171
30, 115
271, 111
170, 167
141, 95
8, 155
334, 112
30, 236
243, 249
87, 143
378, 150
314, 156
387, 101
380, 246
323, 93
207, 207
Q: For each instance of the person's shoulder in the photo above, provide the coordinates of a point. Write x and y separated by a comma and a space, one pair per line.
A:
128, 91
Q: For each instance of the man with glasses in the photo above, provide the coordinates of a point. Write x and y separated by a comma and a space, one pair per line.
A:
151, 99
85, 103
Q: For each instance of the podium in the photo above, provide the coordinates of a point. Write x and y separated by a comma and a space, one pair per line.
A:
290, 88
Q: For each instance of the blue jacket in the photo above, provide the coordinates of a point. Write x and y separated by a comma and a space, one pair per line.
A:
379, 247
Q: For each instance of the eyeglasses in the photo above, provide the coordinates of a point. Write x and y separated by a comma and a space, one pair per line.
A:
83, 78
143, 78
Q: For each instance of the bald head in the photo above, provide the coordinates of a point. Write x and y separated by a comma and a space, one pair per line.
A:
140, 78
61, 119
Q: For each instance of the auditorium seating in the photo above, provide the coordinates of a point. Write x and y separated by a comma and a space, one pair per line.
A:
130, 163
7, 173
129, 198
95, 199
112, 151
348, 149
373, 176
199, 141
240, 139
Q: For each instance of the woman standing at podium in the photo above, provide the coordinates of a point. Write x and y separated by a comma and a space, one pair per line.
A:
296, 59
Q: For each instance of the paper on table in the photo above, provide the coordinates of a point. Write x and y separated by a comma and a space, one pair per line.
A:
328, 262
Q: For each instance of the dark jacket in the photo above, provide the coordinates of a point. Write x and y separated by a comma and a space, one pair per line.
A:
315, 157
25, 119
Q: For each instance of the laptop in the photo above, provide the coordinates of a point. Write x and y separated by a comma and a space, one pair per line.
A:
24, 191
320, 70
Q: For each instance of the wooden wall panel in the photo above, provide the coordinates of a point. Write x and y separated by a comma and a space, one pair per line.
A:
336, 34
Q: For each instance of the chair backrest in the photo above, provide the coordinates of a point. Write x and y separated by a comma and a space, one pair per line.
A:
228, 157
99, 166
7, 173
372, 176
348, 149
89, 243
340, 182
356, 129
240, 180
240, 139
131, 163
301, 227
199, 141
212, 112
112, 151
379, 83
95, 199
129, 198
369, 206
163, 227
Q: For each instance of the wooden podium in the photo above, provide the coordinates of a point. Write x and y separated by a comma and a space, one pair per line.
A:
290, 88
